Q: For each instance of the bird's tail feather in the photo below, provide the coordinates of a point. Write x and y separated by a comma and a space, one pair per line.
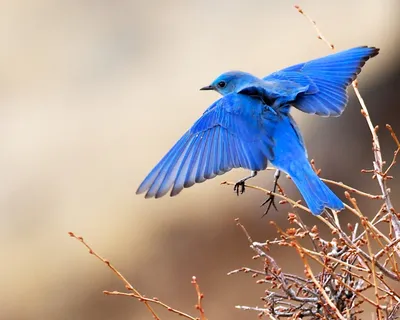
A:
314, 191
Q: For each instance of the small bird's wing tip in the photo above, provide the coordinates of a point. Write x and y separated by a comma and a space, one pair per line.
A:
375, 51
174, 193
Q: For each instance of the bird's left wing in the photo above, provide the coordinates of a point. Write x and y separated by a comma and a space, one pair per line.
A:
236, 131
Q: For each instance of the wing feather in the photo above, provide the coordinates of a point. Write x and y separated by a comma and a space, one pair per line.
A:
328, 79
234, 132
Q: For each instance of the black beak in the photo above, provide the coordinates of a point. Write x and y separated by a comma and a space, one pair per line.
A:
207, 88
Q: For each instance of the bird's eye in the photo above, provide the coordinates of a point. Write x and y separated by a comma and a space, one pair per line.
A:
221, 84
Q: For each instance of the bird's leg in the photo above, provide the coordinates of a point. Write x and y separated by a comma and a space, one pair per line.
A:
240, 184
271, 198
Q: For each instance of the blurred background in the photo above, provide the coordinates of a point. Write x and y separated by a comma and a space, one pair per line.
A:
93, 93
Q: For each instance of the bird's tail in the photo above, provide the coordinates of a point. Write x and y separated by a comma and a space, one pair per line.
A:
314, 191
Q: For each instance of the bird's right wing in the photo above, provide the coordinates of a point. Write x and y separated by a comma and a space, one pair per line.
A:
327, 77
236, 131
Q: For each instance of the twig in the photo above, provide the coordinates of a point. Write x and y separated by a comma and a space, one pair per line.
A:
316, 282
135, 293
200, 297
262, 310
351, 189
375, 285
151, 300
392, 294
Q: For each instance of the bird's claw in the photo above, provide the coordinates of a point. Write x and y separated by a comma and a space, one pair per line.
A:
271, 198
271, 202
239, 187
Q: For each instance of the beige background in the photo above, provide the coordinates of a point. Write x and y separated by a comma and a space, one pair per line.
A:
93, 93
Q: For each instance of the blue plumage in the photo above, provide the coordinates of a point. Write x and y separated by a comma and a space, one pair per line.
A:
327, 78
251, 125
291, 157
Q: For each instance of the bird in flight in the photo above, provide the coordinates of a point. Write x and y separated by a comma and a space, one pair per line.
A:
251, 125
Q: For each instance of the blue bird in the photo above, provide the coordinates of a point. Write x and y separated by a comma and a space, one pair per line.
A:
251, 126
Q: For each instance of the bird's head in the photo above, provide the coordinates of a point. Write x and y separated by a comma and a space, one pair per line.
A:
231, 81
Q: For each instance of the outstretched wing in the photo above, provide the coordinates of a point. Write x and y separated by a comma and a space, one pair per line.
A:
327, 79
236, 131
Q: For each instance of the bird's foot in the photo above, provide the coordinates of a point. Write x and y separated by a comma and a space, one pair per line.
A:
271, 202
239, 187
271, 198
